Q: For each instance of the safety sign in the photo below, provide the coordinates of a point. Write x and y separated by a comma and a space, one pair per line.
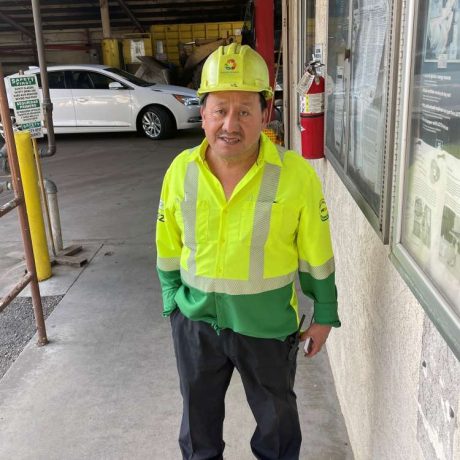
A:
26, 104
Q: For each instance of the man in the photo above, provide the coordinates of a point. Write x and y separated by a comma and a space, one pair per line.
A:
237, 219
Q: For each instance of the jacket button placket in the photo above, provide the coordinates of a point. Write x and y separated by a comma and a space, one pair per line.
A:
222, 240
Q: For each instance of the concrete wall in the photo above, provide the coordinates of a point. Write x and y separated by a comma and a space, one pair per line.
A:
398, 383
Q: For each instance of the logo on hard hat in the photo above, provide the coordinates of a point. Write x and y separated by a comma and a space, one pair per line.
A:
230, 65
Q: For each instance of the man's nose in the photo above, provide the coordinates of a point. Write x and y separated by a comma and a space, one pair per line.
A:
231, 121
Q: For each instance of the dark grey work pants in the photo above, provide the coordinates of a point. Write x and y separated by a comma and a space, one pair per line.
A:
205, 362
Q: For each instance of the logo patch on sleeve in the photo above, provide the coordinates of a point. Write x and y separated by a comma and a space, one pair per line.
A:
323, 212
161, 215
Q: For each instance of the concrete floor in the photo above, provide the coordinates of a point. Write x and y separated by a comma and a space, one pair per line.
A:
106, 385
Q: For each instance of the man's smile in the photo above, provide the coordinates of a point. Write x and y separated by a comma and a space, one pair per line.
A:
231, 140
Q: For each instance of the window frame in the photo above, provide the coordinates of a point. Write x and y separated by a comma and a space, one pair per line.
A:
435, 304
302, 11
381, 220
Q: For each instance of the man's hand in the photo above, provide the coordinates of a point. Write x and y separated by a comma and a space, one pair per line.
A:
318, 334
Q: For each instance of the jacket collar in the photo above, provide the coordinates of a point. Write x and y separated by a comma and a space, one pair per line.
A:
268, 152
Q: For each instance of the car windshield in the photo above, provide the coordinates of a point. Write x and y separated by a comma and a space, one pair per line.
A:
130, 77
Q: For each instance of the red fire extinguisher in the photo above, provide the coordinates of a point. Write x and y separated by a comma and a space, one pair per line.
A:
312, 114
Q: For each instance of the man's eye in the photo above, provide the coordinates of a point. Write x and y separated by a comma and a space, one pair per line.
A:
244, 113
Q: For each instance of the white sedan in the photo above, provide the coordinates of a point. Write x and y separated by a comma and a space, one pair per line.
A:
96, 98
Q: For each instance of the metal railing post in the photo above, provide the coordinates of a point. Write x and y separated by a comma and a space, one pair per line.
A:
19, 202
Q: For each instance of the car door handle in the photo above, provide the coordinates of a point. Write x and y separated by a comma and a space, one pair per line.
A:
82, 99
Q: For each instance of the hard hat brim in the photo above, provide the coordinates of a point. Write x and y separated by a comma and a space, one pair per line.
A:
267, 93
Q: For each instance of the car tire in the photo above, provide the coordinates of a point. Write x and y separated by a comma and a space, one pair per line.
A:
156, 123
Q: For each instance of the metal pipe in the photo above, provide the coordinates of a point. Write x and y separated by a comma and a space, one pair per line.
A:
43, 195
24, 224
265, 34
55, 219
59, 47
47, 105
9, 206
29, 179
25, 280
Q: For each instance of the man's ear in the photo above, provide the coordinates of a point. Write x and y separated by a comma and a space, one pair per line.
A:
265, 117
202, 115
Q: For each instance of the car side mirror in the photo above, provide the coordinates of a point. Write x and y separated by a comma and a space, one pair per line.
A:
115, 85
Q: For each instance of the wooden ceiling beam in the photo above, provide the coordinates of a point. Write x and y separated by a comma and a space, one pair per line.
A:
131, 15
17, 26
57, 15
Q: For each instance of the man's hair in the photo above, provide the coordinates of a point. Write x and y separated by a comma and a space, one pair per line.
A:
263, 101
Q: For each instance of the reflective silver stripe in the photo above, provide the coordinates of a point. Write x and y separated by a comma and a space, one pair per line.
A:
261, 223
319, 272
236, 287
281, 150
168, 263
188, 207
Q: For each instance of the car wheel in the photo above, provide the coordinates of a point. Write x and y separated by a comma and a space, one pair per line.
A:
156, 123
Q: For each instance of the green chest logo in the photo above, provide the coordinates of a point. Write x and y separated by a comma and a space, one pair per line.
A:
323, 212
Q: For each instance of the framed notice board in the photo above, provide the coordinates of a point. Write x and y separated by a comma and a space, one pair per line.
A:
426, 242
360, 93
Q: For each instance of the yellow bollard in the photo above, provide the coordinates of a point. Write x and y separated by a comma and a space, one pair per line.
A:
33, 205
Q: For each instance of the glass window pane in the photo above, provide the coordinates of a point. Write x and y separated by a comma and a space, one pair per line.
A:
335, 84
80, 80
366, 146
100, 81
431, 215
56, 80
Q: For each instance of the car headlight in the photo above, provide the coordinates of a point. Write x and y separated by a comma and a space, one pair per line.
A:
187, 100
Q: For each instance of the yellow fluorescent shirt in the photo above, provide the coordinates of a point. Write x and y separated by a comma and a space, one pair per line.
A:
233, 263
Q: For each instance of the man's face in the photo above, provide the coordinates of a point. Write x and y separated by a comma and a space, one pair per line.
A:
232, 122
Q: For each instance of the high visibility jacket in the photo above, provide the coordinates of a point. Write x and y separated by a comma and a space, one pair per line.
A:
232, 263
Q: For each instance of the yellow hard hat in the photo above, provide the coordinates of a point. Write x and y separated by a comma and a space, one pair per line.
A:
235, 68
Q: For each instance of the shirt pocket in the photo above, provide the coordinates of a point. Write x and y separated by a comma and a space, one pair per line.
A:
283, 223
262, 220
